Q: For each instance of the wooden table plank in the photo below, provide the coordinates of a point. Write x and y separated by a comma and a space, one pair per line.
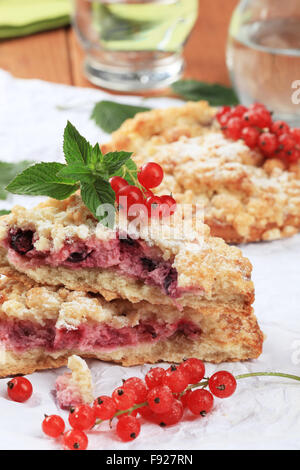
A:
43, 55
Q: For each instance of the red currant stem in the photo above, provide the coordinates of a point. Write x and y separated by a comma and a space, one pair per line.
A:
121, 412
270, 374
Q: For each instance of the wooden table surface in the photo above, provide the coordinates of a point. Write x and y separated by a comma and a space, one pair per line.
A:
56, 56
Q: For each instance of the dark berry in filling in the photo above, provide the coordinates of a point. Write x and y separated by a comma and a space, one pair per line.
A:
169, 281
128, 241
21, 241
77, 257
148, 264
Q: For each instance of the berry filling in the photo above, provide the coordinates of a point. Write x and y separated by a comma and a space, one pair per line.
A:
133, 258
23, 335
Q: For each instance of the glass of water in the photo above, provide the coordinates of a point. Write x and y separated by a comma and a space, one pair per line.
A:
263, 55
134, 45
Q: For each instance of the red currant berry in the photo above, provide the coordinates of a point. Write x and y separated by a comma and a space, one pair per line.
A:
176, 379
286, 142
147, 413
200, 402
280, 127
19, 389
222, 384
139, 388
104, 407
128, 428
268, 143
250, 135
117, 183
252, 117
160, 399
184, 398
222, 111
170, 202
234, 128
194, 369
124, 398
239, 111
295, 133
173, 416
265, 118
82, 417
133, 194
53, 425
150, 175
75, 440
293, 155
223, 120
153, 204
155, 377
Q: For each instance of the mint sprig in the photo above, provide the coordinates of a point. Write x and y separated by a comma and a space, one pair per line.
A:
86, 168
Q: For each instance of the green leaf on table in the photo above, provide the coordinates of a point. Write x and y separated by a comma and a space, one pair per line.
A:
42, 180
8, 171
4, 212
76, 148
214, 93
97, 193
110, 115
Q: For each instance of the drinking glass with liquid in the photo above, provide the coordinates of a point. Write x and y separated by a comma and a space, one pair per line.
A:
263, 55
133, 45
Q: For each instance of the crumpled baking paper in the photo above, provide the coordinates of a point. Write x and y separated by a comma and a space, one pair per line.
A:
264, 413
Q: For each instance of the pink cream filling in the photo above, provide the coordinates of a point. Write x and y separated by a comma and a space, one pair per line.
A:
133, 258
23, 335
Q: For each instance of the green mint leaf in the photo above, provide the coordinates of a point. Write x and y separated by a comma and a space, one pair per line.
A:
8, 171
128, 171
113, 161
215, 94
76, 148
42, 180
4, 212
97, 193
76, 172
110, 115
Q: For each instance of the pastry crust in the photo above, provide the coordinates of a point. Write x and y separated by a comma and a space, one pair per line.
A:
244, 198
209, 271
227, 332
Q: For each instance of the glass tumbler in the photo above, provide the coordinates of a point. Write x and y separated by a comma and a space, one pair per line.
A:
133, 45
263, 55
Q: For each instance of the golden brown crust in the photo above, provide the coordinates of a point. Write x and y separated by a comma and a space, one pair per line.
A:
244, 199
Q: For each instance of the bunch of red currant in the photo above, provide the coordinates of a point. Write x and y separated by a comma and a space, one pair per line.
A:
258, 130
149, 177
161, 399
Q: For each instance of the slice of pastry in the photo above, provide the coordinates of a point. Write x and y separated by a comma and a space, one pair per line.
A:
245, 198
60, 243
42, 326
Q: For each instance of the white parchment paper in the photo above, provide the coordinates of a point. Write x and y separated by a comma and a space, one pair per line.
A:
264, 413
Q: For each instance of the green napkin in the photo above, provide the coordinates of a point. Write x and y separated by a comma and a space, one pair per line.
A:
22, 17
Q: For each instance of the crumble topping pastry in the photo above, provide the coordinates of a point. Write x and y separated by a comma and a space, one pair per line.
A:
75, 387
60, 243
42, 326
245, 198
